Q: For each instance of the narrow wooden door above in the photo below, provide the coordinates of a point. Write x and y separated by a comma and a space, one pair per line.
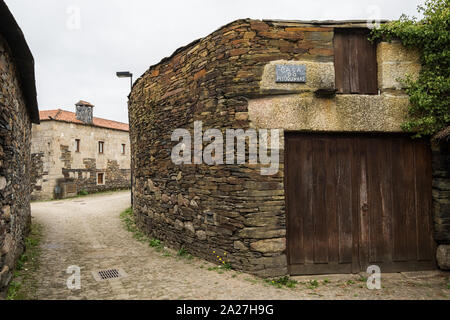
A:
355, 200
355, 62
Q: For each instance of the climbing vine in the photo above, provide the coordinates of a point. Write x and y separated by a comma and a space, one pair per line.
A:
429, 110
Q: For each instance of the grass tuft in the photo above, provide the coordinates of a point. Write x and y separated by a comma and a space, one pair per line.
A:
23, 286
83, 192
312, 284
285, 281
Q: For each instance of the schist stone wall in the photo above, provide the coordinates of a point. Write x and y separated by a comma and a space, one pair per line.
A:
441, 199
57, 163
86, 179
227, 81
15, 166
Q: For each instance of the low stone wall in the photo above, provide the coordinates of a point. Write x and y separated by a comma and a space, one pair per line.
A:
37, 171
15, 167
86, 179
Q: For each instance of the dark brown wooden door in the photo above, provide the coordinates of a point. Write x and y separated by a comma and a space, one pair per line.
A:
355, 61
355, 200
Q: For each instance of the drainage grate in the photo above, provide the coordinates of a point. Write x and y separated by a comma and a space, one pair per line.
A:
109, 274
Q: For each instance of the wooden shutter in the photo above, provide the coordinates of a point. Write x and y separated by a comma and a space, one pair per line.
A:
355, 62
100, 178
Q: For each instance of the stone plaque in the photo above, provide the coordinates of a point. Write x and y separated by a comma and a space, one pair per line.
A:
291, 73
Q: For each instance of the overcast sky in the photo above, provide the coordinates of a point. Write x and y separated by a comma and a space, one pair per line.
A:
78, 45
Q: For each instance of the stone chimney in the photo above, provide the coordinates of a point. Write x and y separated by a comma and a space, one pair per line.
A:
85, 112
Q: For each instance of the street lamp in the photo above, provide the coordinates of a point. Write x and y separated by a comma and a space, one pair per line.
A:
128, 74
125, 74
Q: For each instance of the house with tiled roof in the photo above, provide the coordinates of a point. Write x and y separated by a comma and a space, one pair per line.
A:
75, 152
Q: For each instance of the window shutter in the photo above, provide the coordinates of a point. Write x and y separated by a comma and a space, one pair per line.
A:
355, 62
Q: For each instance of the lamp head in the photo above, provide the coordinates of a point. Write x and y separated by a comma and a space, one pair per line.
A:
124, 74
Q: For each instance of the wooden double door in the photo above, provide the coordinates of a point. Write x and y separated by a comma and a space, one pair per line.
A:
355, 200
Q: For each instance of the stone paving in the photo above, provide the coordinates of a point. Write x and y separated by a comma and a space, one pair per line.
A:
87, 232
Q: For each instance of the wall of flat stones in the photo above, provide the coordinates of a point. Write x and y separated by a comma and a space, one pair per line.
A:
15, 165
226, 208
441, 201
441, 191
56, 159
86, 179
226, 81
37, 172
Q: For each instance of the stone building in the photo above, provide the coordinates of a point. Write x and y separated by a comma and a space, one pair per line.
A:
351, 189
18, 110
75, 151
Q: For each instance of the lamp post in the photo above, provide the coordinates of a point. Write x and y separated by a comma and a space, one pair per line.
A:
125, 74
128, 74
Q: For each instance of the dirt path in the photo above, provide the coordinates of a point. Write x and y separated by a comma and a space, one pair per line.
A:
87, 232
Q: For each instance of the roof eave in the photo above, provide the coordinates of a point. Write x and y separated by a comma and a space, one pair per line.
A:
23, 57
84, 124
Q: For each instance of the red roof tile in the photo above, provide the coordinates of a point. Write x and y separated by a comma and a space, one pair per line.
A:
67, 116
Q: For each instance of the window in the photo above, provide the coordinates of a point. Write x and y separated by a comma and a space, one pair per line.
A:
77, 145
123, 149
101, 147
355, 62
100, 178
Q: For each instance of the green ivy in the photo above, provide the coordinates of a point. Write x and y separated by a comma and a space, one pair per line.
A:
429, 110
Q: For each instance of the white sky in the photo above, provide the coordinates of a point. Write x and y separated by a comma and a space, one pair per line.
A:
75, 64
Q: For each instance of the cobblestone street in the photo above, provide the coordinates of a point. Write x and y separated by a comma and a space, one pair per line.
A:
87, 232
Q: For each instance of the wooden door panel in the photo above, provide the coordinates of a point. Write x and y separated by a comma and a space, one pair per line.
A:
331, 195
363, 196
355, 62
375, 172
342, 62
354, 200
295, 250
300, 228
365, 56
355, 195
403, 199
344, 205
319, 201
355, 68
380, 200
426, 246
322, 210
306, 210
